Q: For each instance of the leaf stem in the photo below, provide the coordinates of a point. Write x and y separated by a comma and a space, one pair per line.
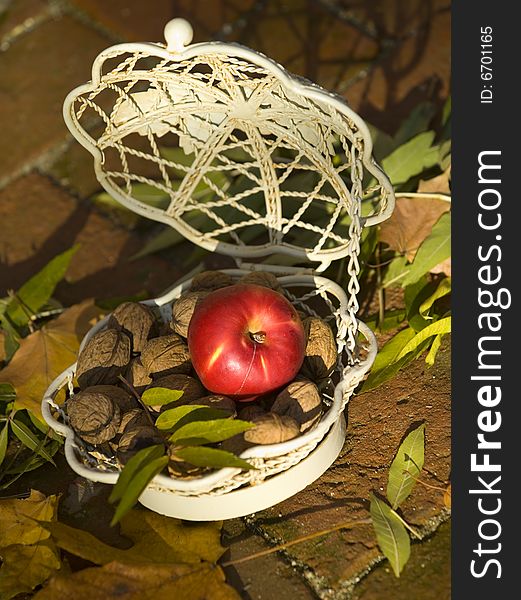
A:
304, 538
404, 522
427, 485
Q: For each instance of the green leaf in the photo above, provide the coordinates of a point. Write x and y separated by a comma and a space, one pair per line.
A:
36, 292
137, 484
444, 288
3, 441
7, 392
164, 239
177, 416
208, 432
386, 364
134, 465
31, 440
396, 271
390, 350
391, 534
433, 250
438, 327
435, 346
414, 295
411, 158
150, 195
444, 155
11, 337
392, 320
160, 396
406, 466
44, 428
201, 456
417, 122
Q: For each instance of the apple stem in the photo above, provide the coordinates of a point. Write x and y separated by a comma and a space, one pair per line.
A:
258, 336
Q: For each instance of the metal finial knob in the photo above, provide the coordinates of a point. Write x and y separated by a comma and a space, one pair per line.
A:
178, 34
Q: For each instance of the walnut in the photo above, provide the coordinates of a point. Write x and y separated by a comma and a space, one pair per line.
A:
137, 375
262, 278
210, 280
136, 438
136, 320
191, 387
271, 428
300, 400
166, 355
133, 418
321, 349
183, 309
216, 401
118, 395
250, 412
103, 359
94, 415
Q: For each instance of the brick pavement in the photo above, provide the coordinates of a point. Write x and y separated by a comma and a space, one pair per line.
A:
385, 57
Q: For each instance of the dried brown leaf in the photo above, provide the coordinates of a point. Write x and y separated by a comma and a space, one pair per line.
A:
436, 185
145, 581
411, 222
157, 539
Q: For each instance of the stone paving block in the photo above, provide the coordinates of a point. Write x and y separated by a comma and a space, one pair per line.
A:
130, 20
416, 70
378, 422
264, 578
426, 576
38, 70
15, 15
73, 168
40, 220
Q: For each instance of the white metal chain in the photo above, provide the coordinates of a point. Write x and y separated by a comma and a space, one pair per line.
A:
353, 264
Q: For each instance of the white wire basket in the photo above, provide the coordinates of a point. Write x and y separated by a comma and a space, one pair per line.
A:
222, 144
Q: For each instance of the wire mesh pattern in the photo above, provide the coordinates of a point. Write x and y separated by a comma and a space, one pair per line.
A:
224, 150
242, 158
310, 294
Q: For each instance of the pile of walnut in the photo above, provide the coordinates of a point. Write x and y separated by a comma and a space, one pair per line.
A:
137, 351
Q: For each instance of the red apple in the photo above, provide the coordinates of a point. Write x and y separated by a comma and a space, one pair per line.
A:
246, 340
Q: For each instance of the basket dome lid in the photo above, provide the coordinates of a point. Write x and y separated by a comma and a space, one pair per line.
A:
221, 143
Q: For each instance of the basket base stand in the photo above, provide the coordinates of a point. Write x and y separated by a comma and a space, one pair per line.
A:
253, 498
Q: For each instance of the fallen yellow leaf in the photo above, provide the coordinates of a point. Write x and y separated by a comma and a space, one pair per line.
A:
44, 354
18, 519
25, 567
157, 539
145, 581
29, 555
